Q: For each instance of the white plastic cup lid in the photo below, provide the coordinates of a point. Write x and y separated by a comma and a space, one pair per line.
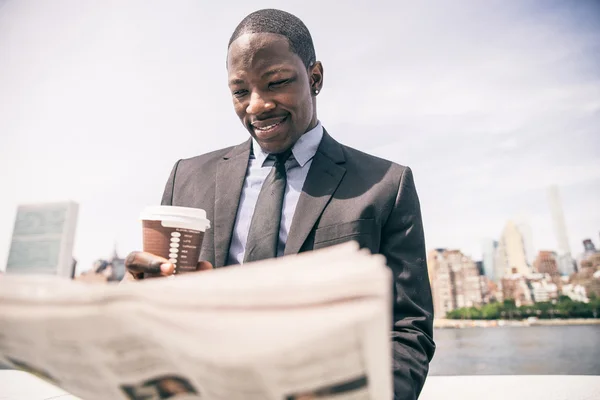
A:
187, 215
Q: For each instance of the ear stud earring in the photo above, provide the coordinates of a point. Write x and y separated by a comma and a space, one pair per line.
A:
316, 91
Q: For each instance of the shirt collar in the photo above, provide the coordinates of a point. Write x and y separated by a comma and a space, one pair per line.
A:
303, 150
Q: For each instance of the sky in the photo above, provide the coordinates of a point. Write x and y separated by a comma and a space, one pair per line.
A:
488, 102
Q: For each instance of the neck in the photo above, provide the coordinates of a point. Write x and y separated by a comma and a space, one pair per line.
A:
313, 123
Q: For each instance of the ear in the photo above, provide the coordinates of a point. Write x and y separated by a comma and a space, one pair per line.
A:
315, 74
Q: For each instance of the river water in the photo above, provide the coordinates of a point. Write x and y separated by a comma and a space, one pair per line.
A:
536, 350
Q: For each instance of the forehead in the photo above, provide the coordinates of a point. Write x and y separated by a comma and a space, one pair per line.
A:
256, 52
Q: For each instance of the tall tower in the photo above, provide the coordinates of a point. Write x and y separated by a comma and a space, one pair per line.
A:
524, 228
489, 254
565, 261
511, 256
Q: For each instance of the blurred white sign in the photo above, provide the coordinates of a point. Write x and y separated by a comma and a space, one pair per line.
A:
43, 238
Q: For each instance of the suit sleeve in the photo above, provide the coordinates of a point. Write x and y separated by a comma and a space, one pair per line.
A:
167, 198
403, 244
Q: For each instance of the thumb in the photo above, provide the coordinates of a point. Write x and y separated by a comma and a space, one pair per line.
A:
204, 266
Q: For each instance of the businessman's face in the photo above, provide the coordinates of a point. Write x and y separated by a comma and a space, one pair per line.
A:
273, 92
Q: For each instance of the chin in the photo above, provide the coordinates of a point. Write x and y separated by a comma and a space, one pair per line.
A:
278, 146
273, 147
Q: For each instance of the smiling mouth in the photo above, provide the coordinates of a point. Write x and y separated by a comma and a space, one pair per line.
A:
270, 127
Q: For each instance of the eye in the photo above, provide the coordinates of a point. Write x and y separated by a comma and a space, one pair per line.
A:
240, 93
279, 83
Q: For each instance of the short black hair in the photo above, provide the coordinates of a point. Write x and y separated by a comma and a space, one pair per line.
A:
282, 23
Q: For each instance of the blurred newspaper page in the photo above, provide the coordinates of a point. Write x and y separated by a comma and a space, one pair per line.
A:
310, 326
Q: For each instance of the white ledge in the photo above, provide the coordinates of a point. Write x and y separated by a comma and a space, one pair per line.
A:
512, 387
18, 385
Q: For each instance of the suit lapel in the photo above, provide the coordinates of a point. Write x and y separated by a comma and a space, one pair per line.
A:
324, 176
231, 172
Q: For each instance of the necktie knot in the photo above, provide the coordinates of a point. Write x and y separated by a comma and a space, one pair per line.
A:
281, 158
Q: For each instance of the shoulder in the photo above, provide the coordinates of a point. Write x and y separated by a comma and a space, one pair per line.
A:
367, 164
382, 183
207, 158
194, 178
209, 161
371, 173
369, 160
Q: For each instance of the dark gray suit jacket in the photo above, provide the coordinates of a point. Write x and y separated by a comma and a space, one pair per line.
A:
348, 195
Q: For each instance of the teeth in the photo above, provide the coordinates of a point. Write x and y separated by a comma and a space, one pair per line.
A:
266, 128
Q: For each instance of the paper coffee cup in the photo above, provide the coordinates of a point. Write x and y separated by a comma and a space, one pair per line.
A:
175, 233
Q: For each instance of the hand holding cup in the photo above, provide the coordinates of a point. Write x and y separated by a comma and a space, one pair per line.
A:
172, 239
142, 265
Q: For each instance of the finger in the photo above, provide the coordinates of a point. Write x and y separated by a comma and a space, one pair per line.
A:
129, 277
204, 266
166, 269
139, 262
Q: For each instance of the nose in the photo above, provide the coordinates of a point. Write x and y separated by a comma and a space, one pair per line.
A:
259, 104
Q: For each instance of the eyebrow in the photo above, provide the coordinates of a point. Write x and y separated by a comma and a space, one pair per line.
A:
275, 71
236, 82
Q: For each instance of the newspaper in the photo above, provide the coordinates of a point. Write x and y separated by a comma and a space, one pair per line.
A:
310, 326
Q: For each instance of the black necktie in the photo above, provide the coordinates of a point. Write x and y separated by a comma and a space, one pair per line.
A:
263, 237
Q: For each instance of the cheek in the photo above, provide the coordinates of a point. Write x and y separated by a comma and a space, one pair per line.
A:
298, 102
240, 108
305, 109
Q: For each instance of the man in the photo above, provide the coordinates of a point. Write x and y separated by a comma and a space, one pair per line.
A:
267, 201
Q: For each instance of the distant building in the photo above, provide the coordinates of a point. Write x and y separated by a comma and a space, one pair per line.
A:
524, 229
43, 239
511, 256
590, 259
533, 288
566, 264
575, 292
489, 254
516, 287
542, 287
118, 266
110, 270
455, 281
591, 262
545, 263
479, 265
73, 269
588, 277
588, 246
490, 290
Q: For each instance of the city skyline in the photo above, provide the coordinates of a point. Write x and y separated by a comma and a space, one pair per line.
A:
489, 104
458, 285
